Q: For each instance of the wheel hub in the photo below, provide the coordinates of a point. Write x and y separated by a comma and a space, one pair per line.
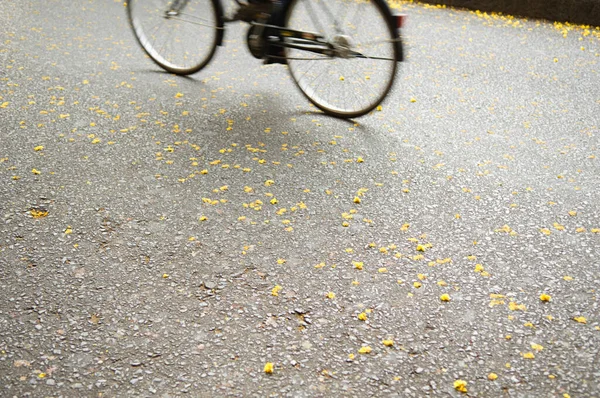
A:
342, 46
256, 41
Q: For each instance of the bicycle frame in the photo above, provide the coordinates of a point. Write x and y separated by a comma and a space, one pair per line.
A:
278, 36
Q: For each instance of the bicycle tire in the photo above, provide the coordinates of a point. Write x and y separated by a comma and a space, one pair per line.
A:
181, 30
341, 77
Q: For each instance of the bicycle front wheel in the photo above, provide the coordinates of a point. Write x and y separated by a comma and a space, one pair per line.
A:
181, 36
357, 71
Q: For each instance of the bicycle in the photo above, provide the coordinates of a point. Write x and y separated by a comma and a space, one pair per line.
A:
342, 54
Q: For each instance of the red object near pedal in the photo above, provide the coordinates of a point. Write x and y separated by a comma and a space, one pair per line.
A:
400, 20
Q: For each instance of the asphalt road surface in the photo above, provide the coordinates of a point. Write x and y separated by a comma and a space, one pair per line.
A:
167, 236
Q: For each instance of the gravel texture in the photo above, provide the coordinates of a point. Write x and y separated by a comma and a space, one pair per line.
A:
167, 236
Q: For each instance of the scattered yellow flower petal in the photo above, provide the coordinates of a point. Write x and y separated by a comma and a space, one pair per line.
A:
514, 306
280, 261
528, 355
479, 268
545, 297
203, 218
568, 278
364, 350
356, 200
382, 270
580, 319
536, 347
42, 375
351, 356
445, 297
165, 276
417, 285
559, 227
268, 367
494, 303
492, 376
388, 343
330, 295
36, 171
359, 160
178, 95
38, 148
358, 265
275, 291
37, 213
460, 385
362, 316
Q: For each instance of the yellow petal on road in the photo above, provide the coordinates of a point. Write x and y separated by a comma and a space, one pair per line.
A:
268, 367
460, 385
275, 290
545, 297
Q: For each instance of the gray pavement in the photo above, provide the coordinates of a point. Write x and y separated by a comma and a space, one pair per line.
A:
139, 247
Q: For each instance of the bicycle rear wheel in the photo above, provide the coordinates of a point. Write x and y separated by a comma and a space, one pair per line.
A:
357, 73
181, 36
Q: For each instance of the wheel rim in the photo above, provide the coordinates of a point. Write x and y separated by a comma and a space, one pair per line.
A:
343, 84
178, 38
